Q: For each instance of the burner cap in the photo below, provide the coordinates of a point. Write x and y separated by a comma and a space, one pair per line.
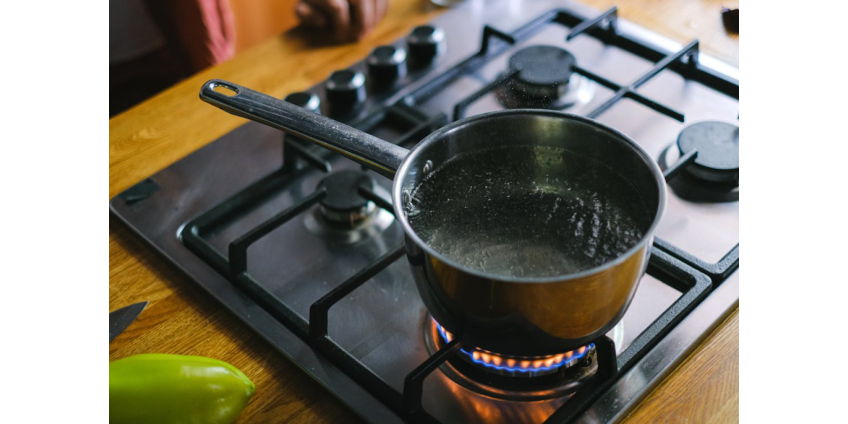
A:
717, 144
343, 216
690, 187
343, 191
543, 71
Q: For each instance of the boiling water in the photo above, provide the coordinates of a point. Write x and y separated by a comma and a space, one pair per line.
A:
527, 212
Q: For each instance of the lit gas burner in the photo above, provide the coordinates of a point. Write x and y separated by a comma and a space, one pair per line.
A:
516, 378
521, 366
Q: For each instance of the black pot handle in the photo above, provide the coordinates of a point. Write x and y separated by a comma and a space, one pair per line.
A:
379, 155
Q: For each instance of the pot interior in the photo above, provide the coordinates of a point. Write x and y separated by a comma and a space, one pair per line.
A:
529, 195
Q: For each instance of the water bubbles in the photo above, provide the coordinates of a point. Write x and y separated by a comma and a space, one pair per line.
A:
428, 166
527, 212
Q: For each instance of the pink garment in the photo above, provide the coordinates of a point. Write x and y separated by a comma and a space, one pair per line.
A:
153, 44
203, 30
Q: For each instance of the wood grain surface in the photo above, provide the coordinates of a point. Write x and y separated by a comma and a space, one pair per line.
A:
181, 318
257, 20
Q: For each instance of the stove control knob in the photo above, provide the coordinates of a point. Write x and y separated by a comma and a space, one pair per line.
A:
345, 89
425, 43
386, 64
306, 100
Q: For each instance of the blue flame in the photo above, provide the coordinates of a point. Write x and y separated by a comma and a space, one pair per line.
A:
576, 356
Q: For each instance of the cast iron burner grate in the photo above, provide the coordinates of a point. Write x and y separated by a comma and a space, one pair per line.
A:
693, 285
604, 28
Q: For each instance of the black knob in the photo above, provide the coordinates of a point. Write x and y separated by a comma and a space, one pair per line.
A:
425, 43
306, 100
345, 89
386, 64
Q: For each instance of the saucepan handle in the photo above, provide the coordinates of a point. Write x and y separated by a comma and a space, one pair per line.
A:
373, 152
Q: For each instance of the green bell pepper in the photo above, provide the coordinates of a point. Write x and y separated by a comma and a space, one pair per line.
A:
176, 389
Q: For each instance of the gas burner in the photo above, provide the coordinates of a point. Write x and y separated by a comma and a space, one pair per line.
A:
343, 215
717, 144
524, 367
543, 77
542, 71
342, 205
714, 175
516, 378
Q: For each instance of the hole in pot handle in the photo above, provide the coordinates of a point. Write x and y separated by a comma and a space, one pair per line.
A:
223, 88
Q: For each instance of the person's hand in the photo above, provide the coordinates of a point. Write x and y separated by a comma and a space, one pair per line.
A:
347, 19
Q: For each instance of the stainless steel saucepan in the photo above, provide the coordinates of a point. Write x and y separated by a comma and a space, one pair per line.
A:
527, 231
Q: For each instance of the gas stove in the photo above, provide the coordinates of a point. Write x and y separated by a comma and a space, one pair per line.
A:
301, 244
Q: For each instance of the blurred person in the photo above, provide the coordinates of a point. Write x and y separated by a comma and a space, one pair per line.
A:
348, 20
155, 43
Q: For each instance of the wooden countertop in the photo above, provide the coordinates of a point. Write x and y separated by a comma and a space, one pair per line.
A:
182, 318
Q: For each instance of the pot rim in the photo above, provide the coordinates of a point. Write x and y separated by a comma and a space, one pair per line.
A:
403, 171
